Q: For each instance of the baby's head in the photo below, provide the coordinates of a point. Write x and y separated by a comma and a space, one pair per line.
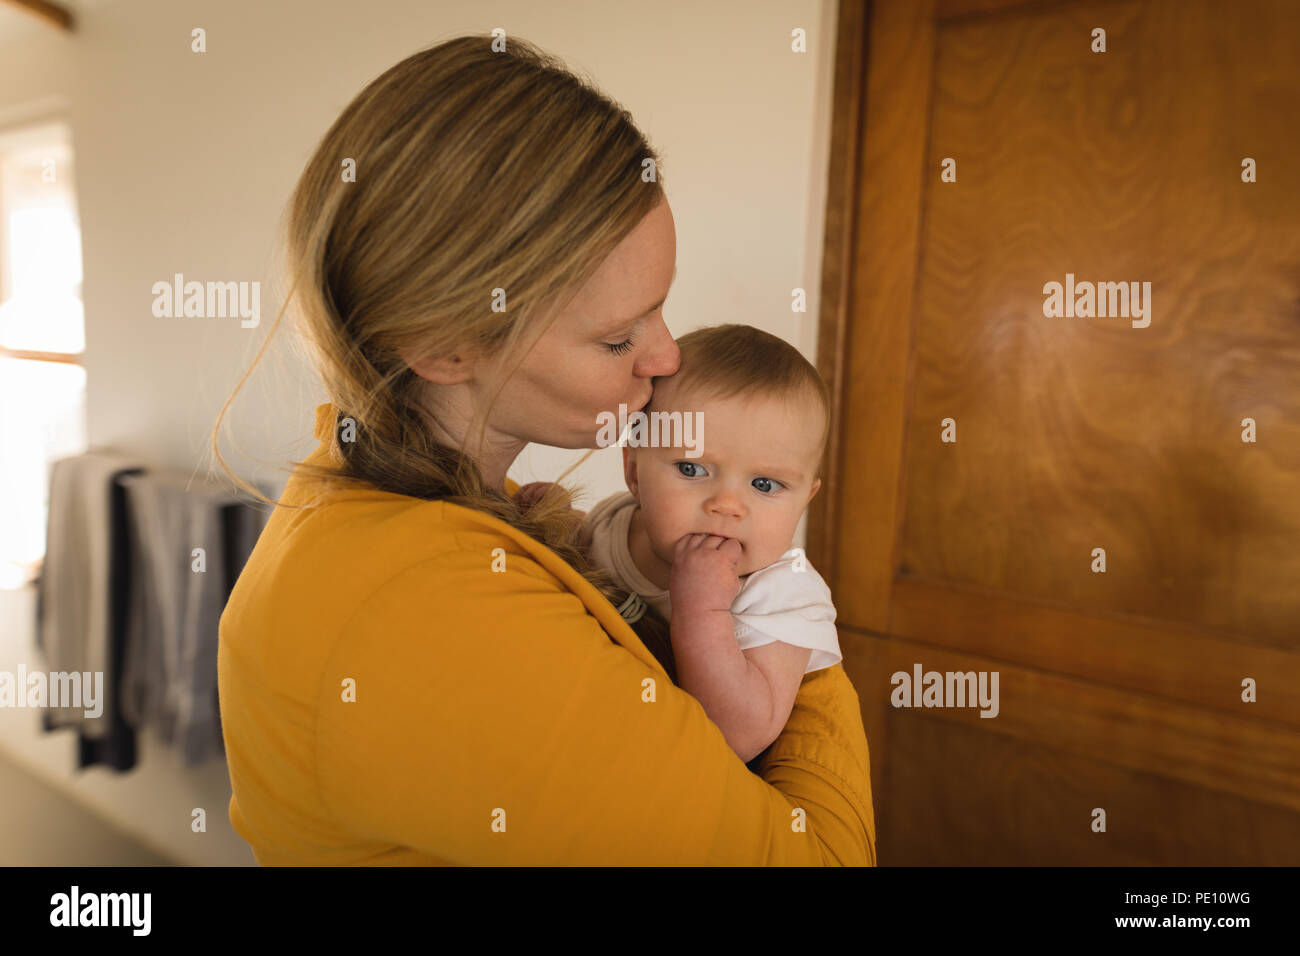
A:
765, 417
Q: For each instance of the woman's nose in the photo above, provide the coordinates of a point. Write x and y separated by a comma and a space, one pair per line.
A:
665, 357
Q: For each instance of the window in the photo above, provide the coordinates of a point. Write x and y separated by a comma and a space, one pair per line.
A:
42, 337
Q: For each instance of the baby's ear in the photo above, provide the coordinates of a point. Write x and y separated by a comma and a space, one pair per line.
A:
629, 471
815, 486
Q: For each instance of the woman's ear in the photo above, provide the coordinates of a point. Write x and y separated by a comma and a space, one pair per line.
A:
452, 369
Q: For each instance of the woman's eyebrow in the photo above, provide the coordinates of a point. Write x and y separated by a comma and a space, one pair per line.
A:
623, 328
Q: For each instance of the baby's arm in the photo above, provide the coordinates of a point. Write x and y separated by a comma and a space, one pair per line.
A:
748, 694
784, 666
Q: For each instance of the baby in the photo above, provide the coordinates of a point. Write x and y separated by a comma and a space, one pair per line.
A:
703, 533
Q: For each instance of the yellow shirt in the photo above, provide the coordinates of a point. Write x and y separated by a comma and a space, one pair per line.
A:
409, 682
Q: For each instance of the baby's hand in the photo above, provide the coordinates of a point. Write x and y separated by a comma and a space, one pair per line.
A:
704, 575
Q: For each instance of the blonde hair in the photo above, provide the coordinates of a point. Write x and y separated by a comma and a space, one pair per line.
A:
475, 171
728, 361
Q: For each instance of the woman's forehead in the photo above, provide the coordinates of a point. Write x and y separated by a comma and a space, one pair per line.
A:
634, 279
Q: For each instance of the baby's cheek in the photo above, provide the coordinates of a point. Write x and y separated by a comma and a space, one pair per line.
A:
665, 546
773, 544
663, 539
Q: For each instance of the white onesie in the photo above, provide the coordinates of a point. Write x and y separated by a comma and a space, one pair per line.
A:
775, 603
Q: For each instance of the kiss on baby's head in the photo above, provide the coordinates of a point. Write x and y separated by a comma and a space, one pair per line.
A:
742, 362
765, 413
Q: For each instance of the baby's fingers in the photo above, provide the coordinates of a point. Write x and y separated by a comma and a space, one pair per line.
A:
686, 541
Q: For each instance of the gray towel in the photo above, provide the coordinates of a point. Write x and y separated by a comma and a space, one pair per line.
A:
75, 593
170, 674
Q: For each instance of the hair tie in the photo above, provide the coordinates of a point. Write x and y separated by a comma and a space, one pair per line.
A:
632, 609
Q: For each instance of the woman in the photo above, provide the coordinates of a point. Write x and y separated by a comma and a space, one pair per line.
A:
415, 667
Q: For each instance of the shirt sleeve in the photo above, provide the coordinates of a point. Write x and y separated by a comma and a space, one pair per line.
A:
795, 607
496, 723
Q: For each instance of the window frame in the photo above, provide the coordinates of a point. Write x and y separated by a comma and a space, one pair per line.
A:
18, 136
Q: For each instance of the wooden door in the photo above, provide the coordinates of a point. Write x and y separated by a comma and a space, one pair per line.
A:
1078, 439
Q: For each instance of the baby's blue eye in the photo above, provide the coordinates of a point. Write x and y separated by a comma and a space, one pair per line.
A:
771, 480
688, 464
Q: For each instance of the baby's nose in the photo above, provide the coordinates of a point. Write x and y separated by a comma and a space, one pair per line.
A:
726, 502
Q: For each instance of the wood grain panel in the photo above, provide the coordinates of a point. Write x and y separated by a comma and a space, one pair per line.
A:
847, 109
1184, 664
1118, 689
868, 664
882, 259
969, 798
1080, 433
1251, 759
953, 9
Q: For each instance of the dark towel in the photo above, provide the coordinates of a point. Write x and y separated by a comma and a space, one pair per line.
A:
81, 595
170, 672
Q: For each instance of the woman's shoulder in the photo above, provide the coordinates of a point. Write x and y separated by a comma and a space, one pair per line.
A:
328, 548
348, 527
353, 544
370, 584
362, 553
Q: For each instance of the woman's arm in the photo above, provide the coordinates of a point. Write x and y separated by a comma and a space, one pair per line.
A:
496, 723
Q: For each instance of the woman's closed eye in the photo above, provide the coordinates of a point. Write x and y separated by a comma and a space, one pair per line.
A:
622, 347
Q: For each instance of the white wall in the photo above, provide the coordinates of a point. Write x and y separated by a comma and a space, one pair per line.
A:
185, 162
